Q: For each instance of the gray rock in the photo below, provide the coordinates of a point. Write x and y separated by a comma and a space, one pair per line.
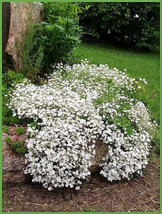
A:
12, 164
144, 121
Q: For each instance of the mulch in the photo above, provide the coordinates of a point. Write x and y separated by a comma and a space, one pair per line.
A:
141, 194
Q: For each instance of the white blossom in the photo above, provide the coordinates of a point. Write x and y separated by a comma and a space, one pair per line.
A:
68, 110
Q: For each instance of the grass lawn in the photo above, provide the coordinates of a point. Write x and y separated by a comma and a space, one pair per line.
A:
138, 64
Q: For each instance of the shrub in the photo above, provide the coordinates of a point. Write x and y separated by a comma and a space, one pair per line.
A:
59, 32
135, 24
50, 41
77, 105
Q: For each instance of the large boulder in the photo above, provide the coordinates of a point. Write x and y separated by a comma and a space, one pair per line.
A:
14, 163
19, 15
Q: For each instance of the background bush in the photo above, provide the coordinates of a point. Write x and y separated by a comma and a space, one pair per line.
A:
135, 24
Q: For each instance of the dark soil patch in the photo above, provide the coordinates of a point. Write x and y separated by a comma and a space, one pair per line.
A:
138, 195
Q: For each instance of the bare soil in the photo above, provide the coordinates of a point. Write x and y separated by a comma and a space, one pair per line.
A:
141, 194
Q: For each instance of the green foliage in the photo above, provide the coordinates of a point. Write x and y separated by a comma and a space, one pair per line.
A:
54, 10
59, 34
107, 95
156, 141
124, 124
20, 130
8, 140
9, 120
89, 209
50, 41
74, 59
16, 146
32, 52
5, 129
9, 79
35, 126
135, 24
7, 202
21, 150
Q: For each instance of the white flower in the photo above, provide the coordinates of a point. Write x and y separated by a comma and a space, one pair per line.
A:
77, 187
71, 117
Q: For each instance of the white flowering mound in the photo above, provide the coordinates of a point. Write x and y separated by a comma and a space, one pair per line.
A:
77, 105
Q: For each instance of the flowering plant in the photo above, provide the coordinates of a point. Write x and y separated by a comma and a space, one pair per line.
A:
78, 105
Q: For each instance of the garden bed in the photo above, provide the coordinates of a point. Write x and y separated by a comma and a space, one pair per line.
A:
137, 195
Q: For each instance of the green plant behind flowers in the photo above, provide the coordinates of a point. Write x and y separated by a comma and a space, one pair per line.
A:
59, 32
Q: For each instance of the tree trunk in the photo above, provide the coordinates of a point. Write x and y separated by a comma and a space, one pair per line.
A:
5, 26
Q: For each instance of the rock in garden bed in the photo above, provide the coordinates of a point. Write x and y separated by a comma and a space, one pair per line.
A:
14, 163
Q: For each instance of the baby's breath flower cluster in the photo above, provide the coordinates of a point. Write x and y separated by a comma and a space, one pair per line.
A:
77, 105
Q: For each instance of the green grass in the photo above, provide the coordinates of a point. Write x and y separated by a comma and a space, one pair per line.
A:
138, 64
